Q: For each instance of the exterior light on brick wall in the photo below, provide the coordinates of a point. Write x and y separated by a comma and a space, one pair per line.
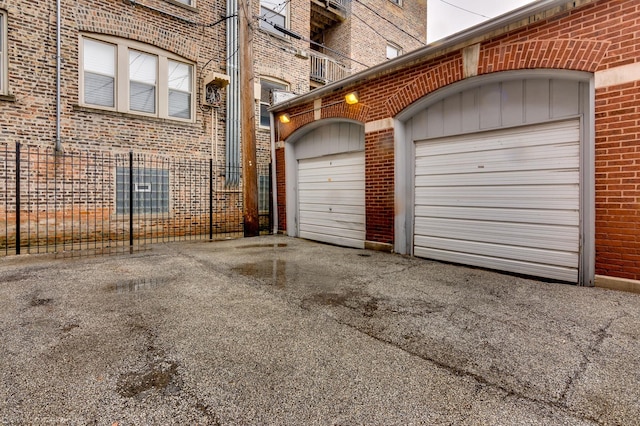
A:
285, 118
352, 98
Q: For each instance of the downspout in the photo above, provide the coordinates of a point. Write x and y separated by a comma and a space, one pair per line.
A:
233, 99
58, 142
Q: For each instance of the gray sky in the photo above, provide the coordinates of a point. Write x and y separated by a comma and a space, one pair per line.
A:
446, 17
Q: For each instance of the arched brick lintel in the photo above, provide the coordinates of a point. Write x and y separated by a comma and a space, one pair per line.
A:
577, 55
339, 110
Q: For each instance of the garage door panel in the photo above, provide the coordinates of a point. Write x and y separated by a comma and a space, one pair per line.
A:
527, 254
545, 134
357, 185
506, 199
345, 161
543, 157
543, 177
333, 239
520, 267
331, 201
342, 221
334, 208
341, 196
333, 173
357, 234
535, 197
548, 217
511, 234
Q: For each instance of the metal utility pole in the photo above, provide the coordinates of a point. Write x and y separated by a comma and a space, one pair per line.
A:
248, 123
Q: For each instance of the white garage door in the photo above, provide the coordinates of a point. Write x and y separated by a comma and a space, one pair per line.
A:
331, 199
506, 200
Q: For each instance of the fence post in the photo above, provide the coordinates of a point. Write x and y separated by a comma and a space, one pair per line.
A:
131, 198
18, 198
211, 198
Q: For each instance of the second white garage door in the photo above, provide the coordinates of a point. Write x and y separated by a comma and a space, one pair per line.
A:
506, 200
331, 199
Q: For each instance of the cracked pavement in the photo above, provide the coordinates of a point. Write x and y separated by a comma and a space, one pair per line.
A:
275, 330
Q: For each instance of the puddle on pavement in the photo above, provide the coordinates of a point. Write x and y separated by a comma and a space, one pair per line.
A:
140, 284
161, 377
278, 245
272, 272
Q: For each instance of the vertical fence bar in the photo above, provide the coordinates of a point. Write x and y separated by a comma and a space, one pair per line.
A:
131, 198
18, 198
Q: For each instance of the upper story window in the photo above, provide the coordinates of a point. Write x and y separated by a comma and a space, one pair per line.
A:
127, 76
398, 2
3, 53
187, 2
393, 50
266, 89
273, 12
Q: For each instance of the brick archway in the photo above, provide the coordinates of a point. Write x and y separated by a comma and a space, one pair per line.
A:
576, 55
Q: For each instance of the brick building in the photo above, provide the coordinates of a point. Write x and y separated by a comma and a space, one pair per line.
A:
152, 77
512, 146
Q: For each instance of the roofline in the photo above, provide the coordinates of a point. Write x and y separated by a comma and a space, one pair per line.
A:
432, 48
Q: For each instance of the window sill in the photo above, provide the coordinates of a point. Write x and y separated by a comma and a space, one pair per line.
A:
8, 98
186, 6
167, 121
276, 36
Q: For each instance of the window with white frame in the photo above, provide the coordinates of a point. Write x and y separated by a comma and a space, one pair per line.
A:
187, 2
273, 12
393, 50
266, 89
128, 76
3, 52
398, 2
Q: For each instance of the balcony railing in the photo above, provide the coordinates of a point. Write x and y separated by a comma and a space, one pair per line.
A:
325, 69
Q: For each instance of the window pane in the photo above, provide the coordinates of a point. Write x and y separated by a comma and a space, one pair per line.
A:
150, 191
179, 104
99, 89
179, 76
189, 2
265, 118
99, 64
142, 81
273, 17
142, 67
142, 97
99, 58
392, 51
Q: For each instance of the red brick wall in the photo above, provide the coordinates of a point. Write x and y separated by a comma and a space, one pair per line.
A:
379, 186
618, 181
593, 37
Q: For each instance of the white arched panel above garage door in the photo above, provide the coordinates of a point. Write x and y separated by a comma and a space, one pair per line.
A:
506, 199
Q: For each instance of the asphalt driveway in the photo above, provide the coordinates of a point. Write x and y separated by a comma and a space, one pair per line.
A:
275, 330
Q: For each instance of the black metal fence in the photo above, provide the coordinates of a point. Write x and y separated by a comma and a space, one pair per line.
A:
85, 202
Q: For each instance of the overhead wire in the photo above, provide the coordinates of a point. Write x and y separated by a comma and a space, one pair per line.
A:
387, 20
466, 10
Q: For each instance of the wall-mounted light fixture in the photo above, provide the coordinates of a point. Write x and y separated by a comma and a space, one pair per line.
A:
352, 98
285, 118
